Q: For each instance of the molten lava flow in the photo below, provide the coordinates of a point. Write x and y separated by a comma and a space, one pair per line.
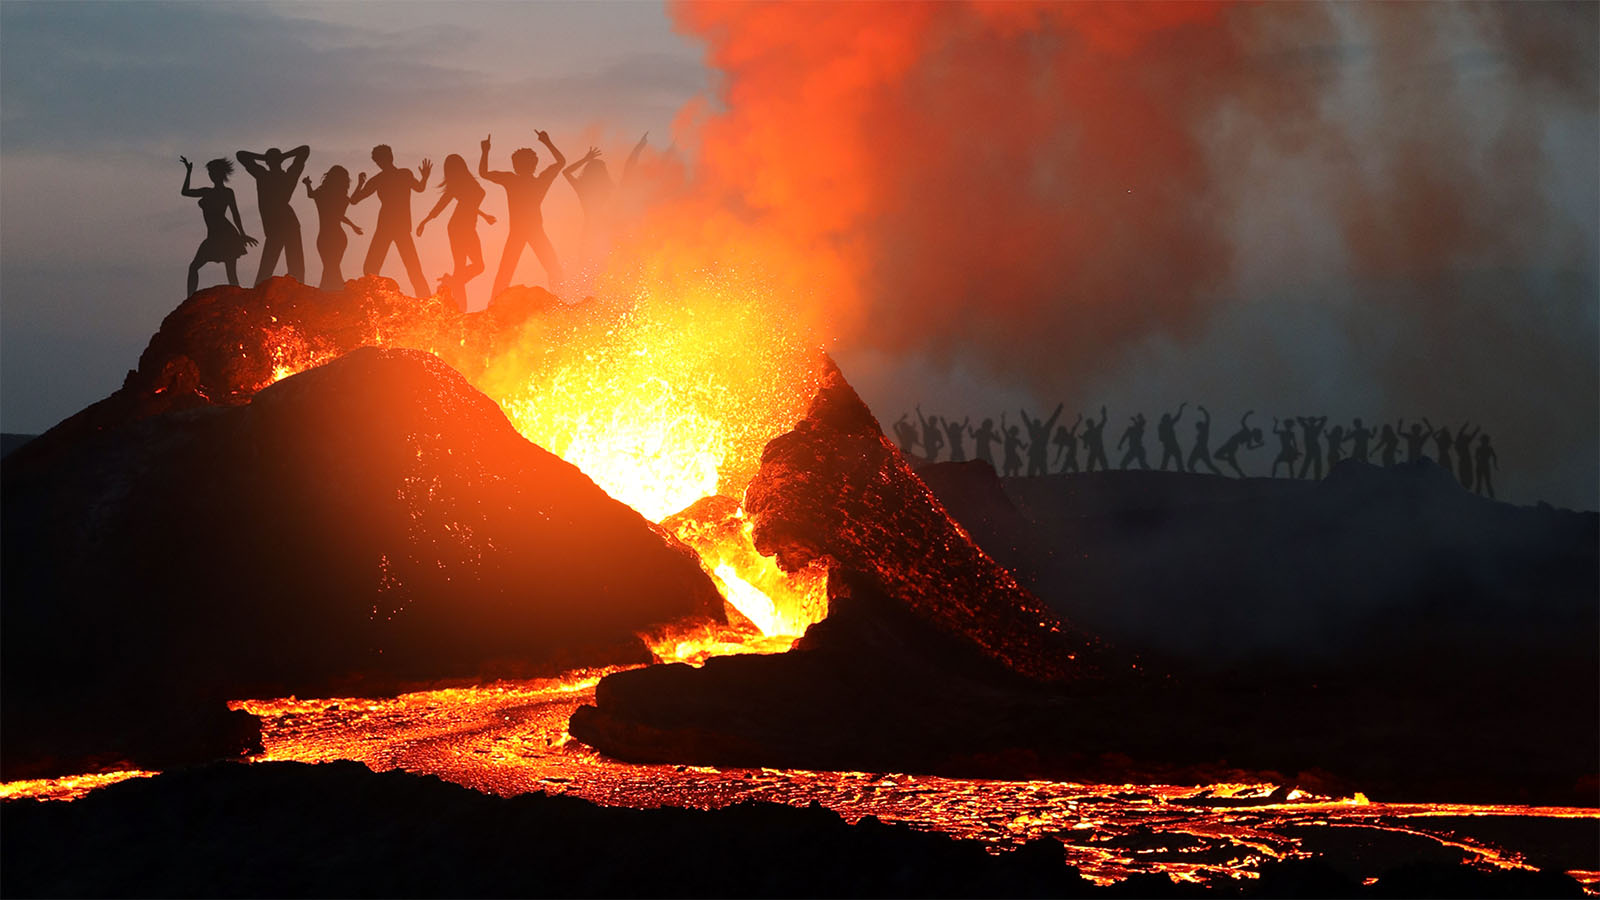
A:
67, 787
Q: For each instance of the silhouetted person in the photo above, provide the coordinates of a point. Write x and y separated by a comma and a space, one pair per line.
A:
1388, 444
1313, 444
597, 195
1335, 445
1167, 434
954, 430
333, 201
1013, 448
466, 252
1201, 453
1245, 438
1288, 449
1039, 441
1443, 441
1067, 442
1415, 438
280, 227
905, 433
1485, 461
932, 434
225, 241
525, 189
1094, 442
1359, 435
1464, 453
983, 442
394, 188
1133, 437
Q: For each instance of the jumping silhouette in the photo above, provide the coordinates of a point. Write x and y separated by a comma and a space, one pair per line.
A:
1415, 438
1133, 437
1201, 454
1464, 453
1167, 434
1389, 443
333, 201
932, 435
1313, 444
466, 251
525, 189
1094, 442
1288, 449
1245, 438
1067, 441
597, 195
394, 188
954, 430
1336, 441
1443, 441
1039, 441
225, 241
905, 433
1013, 447
1484, 462
983, 442
1359, 436
280, 227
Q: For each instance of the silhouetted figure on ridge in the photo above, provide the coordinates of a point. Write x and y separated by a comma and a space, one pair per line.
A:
1443, 441
1335, 445
932, 435
1288, 448
1013, 448
333, 201
1464, 453
466, 252
597, 195
1201, 453
394, 188
1484, 462
1167, 434
1359, 436
1415, 438
1245, 438
1133, 437
225, 241
983, 443
1313, 444
1067, 442
525, 188
954, 430
1039, 441
1094, 442
280, 227
905, 433
1389, 444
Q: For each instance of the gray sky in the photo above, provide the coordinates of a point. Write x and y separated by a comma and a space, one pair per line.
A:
1497, 111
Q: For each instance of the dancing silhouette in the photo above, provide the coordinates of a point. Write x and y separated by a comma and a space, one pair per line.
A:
280, 227
1288, 450
333, 201
1389, 443
905, 433
1133, 437
466, 252
394, 187
1313, 444
1484, 462
597, 195
1013, 448
1359, 435
1094, 442
1067, 441
1201, 453
983, 442
225, 241
1443, 441
1039, 441
1336, 441
1464, 453
932, 435
958, 453
1167, 434
525, 188
1245, 438
1415, 438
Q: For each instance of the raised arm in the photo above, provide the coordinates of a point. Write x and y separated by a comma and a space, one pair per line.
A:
422, 170
188, 172
364, 188
297, 160
1207, 413
594, 153
560, 160
1051, 422
1180, 412
251, 163
309, 192
633, 157
483, 163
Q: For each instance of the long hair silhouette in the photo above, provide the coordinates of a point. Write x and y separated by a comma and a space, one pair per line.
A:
457, 185
332, 198
225, 241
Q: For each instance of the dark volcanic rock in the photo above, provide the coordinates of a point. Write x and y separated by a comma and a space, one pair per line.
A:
368, 523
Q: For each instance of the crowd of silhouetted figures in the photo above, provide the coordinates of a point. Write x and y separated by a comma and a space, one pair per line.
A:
278, 173
1307, 446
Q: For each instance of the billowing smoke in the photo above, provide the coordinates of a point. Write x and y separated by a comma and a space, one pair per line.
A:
1034, 193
